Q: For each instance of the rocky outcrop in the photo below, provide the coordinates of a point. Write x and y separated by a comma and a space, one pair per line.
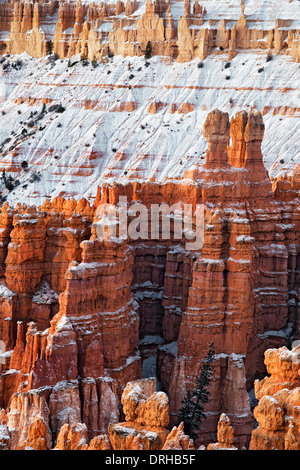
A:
96, 30
177, 440
224, 435
146, 411
147, 416
277, 410
72, 437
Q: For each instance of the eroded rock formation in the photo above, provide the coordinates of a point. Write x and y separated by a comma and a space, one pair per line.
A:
146, 414
279, 397
81, 316
225, 435
97, 29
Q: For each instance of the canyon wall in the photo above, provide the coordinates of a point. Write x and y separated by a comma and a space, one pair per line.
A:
99, 29
83, 315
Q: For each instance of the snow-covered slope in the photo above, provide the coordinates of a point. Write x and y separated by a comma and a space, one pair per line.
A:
261, 12
106, 132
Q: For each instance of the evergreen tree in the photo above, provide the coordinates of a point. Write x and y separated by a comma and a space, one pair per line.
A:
148, 50
49, 47
192, 410
94, 62
7, 181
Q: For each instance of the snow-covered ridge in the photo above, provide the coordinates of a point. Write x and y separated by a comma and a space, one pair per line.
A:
105, 131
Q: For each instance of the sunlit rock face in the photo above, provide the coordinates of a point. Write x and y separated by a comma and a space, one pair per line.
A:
277, 410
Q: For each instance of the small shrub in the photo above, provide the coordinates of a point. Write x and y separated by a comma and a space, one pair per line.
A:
8, 181
227, 65
84, 61
17, 65
58, 108
269, 57
34, 177
200, 65
260, 70
227, 77
24, 164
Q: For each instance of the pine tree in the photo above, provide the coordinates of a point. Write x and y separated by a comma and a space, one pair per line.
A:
49, 47
94, 62
148, 50
192, 410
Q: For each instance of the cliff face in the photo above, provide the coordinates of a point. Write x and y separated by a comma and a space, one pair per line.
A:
83, 315
95, 30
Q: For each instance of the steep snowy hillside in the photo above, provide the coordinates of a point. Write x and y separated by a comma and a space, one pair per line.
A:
67, 127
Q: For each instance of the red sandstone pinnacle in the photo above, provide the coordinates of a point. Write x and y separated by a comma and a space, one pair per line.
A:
216, 132
216, 126
25, 251
237, 133
225, 435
